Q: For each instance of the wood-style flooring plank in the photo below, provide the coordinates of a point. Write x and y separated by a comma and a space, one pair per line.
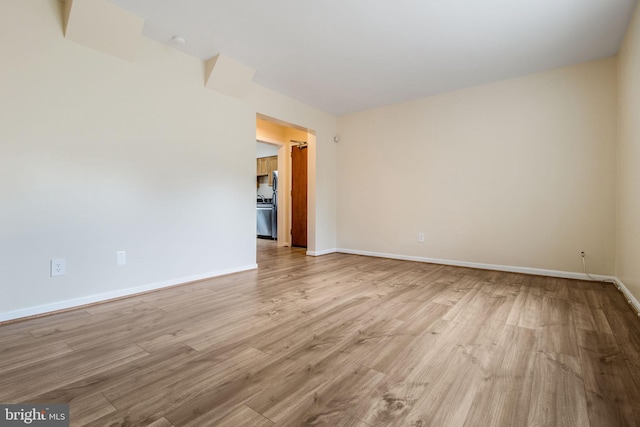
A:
13, 358
243, 416
557, 392
349, 421
19, 384
557, 330
611, 392
120, 377
503, 398
627, 338
88, 408
161, 422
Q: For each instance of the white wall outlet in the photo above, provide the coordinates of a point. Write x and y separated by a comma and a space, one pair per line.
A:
421, 237
58, 267
122, 257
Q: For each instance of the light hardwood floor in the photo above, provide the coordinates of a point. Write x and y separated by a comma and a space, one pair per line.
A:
338, 340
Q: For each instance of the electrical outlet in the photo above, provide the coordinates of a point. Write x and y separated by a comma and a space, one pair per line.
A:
582, 254
122, 257
420, 237
58, 267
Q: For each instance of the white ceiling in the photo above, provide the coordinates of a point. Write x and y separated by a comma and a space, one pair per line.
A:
344, 56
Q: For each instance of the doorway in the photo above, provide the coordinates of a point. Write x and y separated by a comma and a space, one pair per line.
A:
288, 137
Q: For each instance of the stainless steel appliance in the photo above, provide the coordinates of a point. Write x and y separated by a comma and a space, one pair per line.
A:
264, 216
267, 213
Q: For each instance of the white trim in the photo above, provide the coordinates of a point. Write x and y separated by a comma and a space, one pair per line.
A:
628, 295
324, 252
508, 268
92, 299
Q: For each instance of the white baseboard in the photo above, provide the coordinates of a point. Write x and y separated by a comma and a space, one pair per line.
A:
628, 295
508, 268
92, 299
324, 252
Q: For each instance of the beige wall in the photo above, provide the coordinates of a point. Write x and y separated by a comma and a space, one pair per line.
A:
100, 155
628, 230
516, 173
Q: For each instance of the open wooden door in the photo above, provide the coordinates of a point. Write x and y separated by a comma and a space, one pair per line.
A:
299, 196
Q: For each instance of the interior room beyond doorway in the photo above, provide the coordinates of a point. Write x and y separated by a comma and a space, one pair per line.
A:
292, 209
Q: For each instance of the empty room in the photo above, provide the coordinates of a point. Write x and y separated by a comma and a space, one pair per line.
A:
415, 213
